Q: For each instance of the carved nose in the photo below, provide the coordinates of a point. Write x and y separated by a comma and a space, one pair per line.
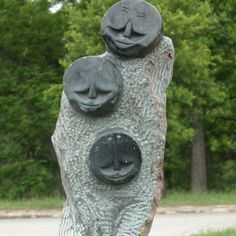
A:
92, 92
128, 30
116, 164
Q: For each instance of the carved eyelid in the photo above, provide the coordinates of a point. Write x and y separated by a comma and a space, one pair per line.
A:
82, 91
134, 32
86, 91
105, 91
106, 164
117, 29
126, 162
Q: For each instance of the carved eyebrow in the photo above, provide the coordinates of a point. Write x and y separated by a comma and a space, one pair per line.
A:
142, 15
125, 9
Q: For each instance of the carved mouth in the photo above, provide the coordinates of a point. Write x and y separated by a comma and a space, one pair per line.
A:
114, 174
89, 107
122, 44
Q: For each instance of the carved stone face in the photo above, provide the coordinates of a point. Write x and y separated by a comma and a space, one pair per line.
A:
132, 28
115, 158
93, 85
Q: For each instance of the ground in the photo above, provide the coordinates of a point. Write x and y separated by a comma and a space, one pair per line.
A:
178, 221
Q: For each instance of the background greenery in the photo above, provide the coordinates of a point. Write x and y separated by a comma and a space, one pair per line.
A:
37, 45
227, 232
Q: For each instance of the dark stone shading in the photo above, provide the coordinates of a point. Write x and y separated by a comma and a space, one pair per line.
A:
93, 85
132, 28
115, 158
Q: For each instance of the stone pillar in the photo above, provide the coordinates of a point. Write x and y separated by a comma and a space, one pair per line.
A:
110, 134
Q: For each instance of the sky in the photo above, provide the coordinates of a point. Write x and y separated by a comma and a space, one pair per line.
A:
57, 7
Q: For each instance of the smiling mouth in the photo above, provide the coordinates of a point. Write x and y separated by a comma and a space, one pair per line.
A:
122, 44
89, 107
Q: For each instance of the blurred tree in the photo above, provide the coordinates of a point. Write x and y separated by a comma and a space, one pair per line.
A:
220, 116
83, 36
30, 45
201, 98
187, 23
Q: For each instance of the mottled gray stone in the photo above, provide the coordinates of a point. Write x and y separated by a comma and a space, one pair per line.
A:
94, 208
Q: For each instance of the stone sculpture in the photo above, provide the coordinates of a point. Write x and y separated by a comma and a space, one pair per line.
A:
115, 157
110, 134
92, 85
132, 28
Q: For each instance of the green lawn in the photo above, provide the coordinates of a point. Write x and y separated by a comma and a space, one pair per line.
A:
43, 203
171, 199
228, 232
209, 198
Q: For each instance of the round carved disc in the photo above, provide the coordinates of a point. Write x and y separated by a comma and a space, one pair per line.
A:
93, 85
115, 158
132, 28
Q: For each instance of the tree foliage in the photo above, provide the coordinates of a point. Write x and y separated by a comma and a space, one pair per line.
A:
29, 51
220, 117
33, 40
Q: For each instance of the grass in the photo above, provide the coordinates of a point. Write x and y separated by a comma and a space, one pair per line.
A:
201, 199
228, 232
171, 199
37, 204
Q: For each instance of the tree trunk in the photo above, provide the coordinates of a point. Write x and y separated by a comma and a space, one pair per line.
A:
163, 189
198, 159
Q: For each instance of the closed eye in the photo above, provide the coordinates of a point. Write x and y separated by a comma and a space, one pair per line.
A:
136, 34
98, 91
107, 164
102, 91
126, 162
133, 33
83, 92
117, 30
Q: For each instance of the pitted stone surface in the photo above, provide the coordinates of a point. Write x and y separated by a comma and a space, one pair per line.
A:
94, 208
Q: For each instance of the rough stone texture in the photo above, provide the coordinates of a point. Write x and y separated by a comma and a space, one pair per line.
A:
97, 209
